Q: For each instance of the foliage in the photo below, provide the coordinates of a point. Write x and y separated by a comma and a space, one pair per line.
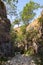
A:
11, 6
25, 37
19, 38
28, 11
41, 18
29, 52
16, 22
40, 50
23, 29
13, 34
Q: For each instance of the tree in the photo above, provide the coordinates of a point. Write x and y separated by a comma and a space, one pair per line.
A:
16, 22
11, 6
28, 11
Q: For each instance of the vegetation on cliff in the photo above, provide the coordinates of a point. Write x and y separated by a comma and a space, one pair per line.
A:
27, 38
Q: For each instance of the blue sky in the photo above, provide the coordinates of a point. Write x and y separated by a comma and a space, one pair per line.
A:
22, 3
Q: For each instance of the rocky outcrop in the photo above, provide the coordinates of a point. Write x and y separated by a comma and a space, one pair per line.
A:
5, 25
20, 60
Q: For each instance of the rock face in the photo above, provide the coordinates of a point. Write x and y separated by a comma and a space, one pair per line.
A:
21, 60
5, 44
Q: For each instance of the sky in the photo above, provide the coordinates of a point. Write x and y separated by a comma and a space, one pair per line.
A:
22, 3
